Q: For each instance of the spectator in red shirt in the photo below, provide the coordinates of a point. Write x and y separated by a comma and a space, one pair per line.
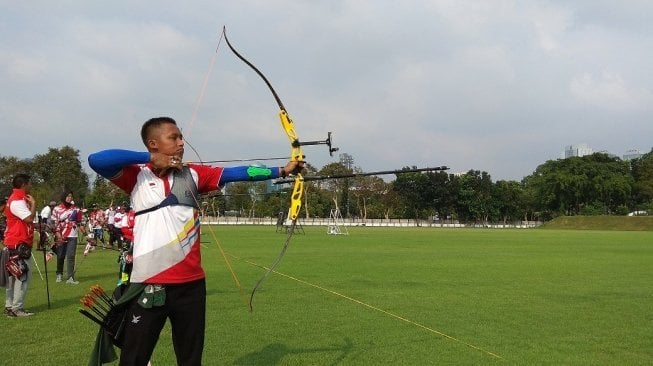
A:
20, 211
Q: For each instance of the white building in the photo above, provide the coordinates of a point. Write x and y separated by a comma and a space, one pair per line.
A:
632, 154
578, 150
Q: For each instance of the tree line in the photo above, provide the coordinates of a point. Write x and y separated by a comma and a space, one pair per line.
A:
597, 184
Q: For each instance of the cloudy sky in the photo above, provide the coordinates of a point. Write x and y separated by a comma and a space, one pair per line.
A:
499, 86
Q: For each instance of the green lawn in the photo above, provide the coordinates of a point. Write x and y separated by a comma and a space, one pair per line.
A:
385, 296
605, 222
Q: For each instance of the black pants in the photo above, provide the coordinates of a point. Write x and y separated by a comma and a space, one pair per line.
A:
185, 305
112, 233
117, 236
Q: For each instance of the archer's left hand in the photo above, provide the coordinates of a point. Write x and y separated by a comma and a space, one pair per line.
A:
293, 167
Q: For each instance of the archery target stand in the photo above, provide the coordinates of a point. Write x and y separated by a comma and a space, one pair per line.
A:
284, 224
335, 223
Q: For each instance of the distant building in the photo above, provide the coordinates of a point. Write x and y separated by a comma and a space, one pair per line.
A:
578, 150
632, 154
606, 152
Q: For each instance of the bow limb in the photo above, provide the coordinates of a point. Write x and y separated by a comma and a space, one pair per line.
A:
288, 125
296, 154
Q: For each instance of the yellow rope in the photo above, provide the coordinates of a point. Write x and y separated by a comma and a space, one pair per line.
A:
372, 307
231, 270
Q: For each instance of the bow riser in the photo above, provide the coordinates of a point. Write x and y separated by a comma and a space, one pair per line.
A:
296, 153
296, 197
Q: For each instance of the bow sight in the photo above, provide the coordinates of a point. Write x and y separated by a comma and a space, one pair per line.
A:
326, 142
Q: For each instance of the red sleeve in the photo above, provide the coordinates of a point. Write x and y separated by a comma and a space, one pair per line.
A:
128, 233
208, 177
126, 179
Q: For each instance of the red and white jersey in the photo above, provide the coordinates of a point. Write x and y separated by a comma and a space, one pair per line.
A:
97, 218
166, 240
128, 225
66, 220
117, 219
16, 210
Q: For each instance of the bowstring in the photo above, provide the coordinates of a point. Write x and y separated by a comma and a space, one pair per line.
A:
205, 83
214, 237
194, 115
274, 264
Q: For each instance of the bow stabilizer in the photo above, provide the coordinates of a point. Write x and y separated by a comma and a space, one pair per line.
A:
365, 174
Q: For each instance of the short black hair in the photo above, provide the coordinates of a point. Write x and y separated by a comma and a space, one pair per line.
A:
154, 123
20, 180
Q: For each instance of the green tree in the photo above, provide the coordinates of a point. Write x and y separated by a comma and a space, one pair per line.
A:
367, 193
338, 188
581, 185
273, 203
60, 170
9, 167
508, 199
642, 171
411, 188
475, 197
213, 203
441, 195
104, 193
245, 197
237, 198
318, 200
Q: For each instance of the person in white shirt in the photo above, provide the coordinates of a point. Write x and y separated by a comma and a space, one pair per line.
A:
46, 212
117, 225
110, 213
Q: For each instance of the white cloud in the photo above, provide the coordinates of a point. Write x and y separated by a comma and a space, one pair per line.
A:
459, 82
22, 68
609, 91
550, 23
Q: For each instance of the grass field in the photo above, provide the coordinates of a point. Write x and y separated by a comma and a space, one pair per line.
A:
611, 222
384, 296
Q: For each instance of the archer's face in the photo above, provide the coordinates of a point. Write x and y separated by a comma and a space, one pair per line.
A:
27, 188
167, 140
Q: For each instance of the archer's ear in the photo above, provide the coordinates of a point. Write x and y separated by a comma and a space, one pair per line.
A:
151, 144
